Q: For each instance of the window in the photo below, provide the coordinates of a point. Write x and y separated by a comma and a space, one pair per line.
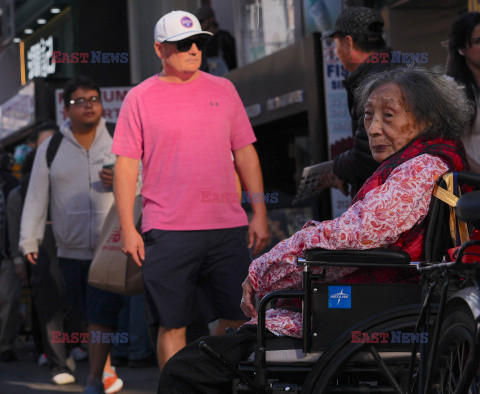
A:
268, 26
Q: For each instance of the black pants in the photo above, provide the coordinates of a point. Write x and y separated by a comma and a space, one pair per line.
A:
54, 315
193, 371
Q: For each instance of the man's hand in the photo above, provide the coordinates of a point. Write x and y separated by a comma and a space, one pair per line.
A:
248, 299
132, 246
32, 257
258, 233
329, 179
106, 176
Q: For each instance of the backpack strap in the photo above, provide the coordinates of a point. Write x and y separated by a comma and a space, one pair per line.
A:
52, 147
111, 128
57, 138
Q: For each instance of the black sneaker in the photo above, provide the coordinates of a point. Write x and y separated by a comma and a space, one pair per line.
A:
8, 356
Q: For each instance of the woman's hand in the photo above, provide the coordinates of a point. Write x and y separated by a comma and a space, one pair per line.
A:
248, 299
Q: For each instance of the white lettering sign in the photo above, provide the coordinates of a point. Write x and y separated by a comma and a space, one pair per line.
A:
339, 123
39, 59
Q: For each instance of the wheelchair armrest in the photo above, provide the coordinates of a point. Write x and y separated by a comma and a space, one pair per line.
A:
377, 256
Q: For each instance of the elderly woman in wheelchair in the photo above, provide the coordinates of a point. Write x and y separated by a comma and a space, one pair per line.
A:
413, 118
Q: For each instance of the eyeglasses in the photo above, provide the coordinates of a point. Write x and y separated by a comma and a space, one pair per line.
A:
185, 45
82, 101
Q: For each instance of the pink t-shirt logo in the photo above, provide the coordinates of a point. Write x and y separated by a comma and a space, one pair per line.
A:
186, 21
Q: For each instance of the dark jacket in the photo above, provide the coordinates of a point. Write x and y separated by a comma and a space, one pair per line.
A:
356, 165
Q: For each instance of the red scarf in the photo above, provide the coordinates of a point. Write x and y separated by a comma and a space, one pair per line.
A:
452, 153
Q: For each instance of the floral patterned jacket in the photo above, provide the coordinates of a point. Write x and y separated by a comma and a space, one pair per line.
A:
376, 221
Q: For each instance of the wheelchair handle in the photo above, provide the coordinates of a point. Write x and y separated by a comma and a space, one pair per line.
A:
470, 178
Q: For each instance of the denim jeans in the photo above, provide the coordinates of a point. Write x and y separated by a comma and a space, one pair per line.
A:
133, 320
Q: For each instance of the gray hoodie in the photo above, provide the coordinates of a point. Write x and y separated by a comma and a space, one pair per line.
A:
72, 187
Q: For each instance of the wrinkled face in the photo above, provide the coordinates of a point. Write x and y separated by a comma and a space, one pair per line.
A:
88, 114
472, 52
176, 62
389, 121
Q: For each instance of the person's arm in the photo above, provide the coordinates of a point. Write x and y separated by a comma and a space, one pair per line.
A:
376, 221
35, 206
125, 187
248, 166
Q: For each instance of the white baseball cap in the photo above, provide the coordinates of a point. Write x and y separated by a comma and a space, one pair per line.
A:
178, 25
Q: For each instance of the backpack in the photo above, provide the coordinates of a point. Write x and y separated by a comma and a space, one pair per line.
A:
57, 138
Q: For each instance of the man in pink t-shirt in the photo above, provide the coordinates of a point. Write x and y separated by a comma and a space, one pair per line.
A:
184, 125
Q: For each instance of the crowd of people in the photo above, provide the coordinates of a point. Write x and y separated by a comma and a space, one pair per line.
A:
182, 132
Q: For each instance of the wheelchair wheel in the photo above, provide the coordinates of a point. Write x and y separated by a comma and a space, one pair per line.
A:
456, 368
336, 371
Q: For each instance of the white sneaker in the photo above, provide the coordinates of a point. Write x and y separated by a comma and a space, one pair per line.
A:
79, 354
111, 382
42, 360
63, 378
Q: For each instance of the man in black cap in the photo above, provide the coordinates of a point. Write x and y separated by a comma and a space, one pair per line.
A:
362, 50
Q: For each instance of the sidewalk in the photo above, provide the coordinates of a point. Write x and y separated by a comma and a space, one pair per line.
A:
24, 376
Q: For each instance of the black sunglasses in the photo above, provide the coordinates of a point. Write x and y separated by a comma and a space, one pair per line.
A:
186, 44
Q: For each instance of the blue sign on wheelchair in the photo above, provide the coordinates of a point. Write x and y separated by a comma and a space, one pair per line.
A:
340, 297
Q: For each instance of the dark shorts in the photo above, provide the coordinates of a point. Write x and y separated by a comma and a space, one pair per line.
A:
185, 272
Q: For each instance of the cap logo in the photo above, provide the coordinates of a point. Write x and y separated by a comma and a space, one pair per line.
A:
187, 22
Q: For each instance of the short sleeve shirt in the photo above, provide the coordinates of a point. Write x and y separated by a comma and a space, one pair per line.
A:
184, 134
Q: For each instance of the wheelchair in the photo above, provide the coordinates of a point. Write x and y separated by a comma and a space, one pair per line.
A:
378, 337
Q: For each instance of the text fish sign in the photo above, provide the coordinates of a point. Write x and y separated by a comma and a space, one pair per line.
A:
112, 99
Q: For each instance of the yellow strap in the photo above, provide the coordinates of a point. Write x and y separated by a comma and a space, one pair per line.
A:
446, 196
449, 198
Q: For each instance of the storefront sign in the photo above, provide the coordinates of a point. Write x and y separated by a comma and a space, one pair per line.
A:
39, 59
112, 99
339, 123
19, 111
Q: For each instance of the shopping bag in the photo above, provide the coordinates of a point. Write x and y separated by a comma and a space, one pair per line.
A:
111, 269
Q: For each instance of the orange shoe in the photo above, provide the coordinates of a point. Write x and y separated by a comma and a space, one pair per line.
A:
111, 382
